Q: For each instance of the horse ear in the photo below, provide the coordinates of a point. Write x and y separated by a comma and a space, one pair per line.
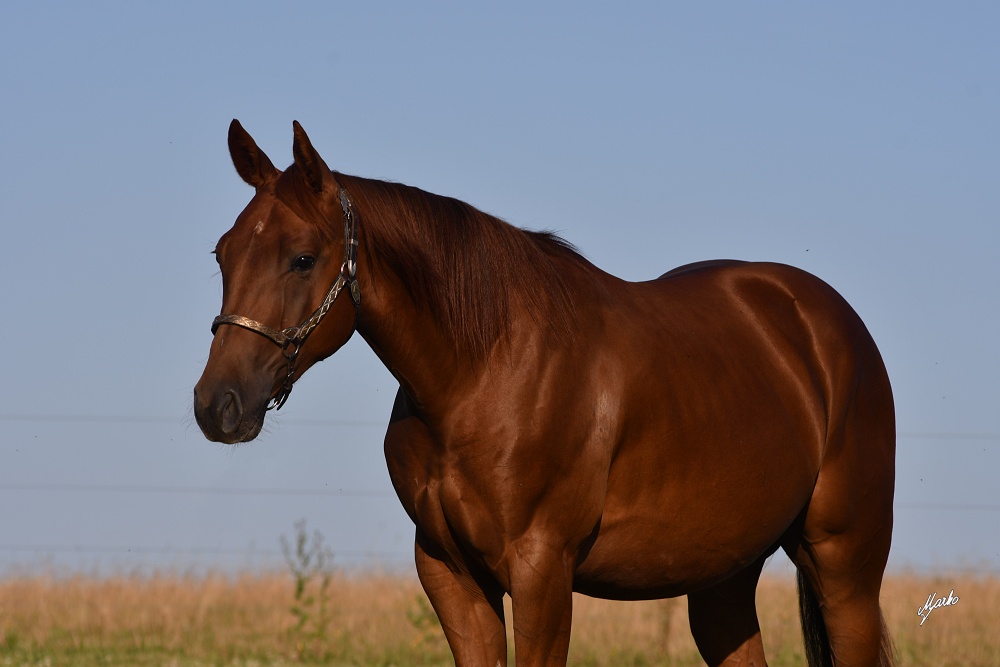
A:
316, 173
251, 163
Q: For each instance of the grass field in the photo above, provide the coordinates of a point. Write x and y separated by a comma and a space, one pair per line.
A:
378, 619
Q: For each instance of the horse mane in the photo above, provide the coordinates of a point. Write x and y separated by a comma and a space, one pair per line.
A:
466, 266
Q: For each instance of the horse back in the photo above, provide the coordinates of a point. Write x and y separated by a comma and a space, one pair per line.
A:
769, 319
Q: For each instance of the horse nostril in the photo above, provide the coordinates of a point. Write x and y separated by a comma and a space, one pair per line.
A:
231, 411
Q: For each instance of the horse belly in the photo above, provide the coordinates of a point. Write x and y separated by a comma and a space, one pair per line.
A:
623, 565
692, 522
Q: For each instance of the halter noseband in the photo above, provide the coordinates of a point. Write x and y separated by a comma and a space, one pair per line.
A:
290, 340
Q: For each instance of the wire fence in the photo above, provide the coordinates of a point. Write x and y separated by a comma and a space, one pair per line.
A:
346, 493
250, 552
952, 436
987, 439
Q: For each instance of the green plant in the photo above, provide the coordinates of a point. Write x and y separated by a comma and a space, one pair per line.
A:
11, 641
425, 621
311, 565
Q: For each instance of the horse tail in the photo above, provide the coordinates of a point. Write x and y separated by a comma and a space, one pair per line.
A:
817, 644
887, 652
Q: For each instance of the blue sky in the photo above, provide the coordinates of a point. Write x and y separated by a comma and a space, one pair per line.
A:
858, 141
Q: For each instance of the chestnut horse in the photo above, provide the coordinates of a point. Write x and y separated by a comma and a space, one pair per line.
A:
558, 429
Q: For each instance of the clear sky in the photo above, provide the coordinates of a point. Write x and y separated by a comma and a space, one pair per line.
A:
859, 141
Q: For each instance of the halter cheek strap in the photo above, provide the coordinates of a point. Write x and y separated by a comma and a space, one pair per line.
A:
291, 339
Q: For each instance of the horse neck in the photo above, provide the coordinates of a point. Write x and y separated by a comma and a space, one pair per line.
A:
405, 337
403, 332
445, 285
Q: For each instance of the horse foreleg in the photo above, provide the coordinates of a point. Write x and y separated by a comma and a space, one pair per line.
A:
470, 609
724, 621
541, 591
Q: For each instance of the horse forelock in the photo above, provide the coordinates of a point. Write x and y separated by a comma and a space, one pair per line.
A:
466, 266
292, 190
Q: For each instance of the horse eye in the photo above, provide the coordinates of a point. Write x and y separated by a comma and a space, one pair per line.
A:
303, 263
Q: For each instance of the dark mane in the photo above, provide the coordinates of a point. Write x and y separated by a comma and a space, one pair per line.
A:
467, 267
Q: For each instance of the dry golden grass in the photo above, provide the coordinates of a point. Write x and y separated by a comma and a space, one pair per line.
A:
384, 620
213, 618
967, 633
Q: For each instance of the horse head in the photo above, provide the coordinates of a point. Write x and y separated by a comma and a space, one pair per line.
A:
285, 261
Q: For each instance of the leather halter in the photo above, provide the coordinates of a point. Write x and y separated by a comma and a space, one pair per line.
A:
291, 339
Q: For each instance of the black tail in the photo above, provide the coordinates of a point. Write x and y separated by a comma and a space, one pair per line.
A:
887, 651
813, 629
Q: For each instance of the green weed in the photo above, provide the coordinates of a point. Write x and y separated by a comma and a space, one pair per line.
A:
311, 565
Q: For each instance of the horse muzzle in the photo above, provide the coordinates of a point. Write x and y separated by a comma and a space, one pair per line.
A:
223, 416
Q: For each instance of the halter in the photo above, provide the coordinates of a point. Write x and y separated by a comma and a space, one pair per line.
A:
290, 340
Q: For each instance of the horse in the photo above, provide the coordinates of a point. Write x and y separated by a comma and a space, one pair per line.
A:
560, 430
